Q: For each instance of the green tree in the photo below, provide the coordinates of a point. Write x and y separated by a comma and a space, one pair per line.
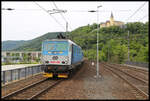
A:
142, 55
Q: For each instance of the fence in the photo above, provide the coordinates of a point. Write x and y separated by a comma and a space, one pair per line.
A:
16, 74
140, 64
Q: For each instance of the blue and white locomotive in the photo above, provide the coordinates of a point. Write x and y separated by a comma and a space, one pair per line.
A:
60, 57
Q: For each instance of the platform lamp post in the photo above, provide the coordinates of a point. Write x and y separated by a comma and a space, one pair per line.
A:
97, 69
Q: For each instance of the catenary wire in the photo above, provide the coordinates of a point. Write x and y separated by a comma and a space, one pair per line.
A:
142, 18
62, 15
49, 14
136, 11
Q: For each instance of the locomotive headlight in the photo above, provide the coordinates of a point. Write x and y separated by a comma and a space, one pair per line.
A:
63, 62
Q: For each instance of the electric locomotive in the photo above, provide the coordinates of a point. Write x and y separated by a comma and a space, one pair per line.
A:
60, 57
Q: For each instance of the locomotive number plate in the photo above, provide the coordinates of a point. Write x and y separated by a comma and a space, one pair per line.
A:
54, 61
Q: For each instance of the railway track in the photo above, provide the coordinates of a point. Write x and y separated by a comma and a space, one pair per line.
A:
32, 91
141, 70
138, 84
135, 72
14, 86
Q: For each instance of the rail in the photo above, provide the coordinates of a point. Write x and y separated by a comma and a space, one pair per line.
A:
140, 64
44, 90
18, 91
131, 75
138, 69
144, 94
32, 91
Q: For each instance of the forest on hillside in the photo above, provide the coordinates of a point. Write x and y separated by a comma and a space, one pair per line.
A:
113, 42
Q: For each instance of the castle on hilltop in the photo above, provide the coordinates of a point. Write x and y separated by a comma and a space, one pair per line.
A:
112, 22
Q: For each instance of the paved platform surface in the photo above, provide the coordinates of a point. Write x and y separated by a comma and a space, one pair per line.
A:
11, 67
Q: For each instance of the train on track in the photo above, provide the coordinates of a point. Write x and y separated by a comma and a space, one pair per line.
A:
60, 57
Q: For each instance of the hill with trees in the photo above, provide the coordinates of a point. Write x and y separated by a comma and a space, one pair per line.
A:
113, 42
10, 45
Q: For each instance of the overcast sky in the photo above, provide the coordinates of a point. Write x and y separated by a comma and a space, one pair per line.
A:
29, 21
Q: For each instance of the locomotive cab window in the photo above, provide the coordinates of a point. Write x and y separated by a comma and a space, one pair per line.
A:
55, 46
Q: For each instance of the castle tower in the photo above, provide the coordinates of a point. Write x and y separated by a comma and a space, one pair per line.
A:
111, 19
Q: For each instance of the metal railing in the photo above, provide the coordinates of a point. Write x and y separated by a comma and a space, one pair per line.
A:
140, 64
16, 74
